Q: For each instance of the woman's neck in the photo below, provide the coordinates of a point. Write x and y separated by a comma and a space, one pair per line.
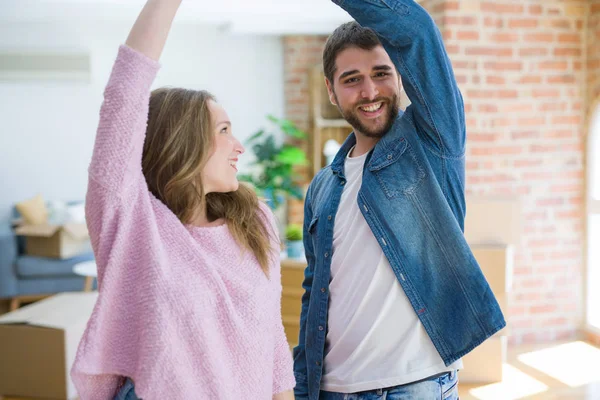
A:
200, 219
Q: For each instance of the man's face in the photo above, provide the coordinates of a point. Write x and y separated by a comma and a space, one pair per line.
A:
366, 89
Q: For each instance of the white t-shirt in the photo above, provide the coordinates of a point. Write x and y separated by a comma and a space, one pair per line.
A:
374, 339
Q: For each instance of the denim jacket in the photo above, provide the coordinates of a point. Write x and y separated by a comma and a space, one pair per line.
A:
412, 198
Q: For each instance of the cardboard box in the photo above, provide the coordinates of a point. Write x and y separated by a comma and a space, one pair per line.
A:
55, 241
38, 344
503, 303
496, 262
493, 221
484, 363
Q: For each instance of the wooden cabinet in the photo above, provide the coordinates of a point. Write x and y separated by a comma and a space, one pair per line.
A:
326, 121
292, 276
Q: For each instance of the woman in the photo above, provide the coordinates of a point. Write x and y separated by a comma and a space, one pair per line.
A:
188, 268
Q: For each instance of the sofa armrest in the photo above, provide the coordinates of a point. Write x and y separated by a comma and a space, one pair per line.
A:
8, 258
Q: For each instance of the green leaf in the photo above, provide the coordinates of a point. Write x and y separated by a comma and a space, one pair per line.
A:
255, 136
291, 155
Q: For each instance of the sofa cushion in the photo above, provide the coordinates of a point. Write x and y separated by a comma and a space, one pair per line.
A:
29, 267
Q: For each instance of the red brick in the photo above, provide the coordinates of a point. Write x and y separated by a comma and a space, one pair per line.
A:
561, 79
525, 135
559, 24
487, 108
535, 9
559, 120
554, 106
495, 80
514, 107
546, 92
553, 65
567, 51
533, 51
544, 309
532, 121
539, 37
523, 23
452, 20
504, 37
530, 79
569, 38
504, 66
489, 51
552, 134
507, 94
493, 22
467, 35
505, 150
499, 8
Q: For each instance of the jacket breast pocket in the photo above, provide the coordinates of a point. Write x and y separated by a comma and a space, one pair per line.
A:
399, 172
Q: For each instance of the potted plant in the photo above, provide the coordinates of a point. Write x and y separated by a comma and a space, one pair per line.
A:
293, 237
273, 175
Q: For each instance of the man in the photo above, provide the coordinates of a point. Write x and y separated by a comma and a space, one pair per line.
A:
394, 297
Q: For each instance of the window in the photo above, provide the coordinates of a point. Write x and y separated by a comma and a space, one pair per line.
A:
593, 222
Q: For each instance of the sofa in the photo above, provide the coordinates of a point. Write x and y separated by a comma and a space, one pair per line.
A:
27, 278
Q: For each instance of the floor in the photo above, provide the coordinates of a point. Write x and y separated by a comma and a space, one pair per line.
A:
565, 371
562, 371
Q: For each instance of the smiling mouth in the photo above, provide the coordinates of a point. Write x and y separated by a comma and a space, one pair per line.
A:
372, 108
233, 164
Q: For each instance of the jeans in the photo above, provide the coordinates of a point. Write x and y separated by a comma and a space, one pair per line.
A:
127, 391
443, 387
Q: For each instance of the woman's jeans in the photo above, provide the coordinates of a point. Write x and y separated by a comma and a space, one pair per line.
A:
127, 391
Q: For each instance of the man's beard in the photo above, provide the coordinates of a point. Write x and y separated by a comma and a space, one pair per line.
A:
390, 115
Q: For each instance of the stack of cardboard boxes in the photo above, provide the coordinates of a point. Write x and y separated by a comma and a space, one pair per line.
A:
492, 229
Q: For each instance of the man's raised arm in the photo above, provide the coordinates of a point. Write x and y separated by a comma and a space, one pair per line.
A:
414, 43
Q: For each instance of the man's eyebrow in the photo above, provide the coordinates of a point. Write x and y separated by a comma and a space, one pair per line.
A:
348, 73
382, 67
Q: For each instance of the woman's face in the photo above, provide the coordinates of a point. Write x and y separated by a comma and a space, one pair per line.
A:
219, 173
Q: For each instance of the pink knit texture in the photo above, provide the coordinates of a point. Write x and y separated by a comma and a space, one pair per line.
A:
182, 310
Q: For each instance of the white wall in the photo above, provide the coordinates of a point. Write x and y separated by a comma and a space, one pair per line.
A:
47, 128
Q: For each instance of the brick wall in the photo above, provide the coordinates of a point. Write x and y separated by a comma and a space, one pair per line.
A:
301, 53
521, 68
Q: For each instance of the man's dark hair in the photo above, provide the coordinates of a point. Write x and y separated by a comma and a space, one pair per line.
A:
347, 35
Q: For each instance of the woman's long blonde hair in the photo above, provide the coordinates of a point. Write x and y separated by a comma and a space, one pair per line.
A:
179, 141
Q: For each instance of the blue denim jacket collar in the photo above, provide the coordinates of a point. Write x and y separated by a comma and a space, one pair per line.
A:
385, 152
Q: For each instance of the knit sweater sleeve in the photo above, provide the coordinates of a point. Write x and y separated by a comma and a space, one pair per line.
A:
283, 376
116, 182
117, 158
